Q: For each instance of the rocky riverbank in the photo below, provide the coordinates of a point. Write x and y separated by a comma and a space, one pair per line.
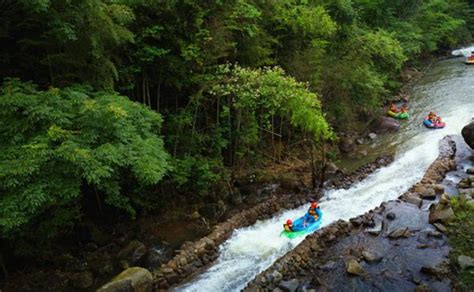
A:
192, 257
400, 245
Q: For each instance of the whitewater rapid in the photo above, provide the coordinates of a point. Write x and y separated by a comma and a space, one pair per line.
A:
448, 88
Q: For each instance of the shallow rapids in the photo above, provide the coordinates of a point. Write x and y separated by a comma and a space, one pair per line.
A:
448, 89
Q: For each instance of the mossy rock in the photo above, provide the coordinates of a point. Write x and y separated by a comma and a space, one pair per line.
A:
132, 279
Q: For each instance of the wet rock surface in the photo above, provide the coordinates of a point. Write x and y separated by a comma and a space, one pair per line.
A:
468, 134
134, 279
385, 125
391, 248
465, 262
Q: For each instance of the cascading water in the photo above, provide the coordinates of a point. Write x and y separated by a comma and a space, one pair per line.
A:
448, 88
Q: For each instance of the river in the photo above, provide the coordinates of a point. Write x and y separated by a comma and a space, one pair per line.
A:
447, 88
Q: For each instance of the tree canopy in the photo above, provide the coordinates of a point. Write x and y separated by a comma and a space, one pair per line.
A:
58, 143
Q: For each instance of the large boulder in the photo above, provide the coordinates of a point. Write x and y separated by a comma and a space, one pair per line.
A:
132, 253
385, 125
468, 134
354, 268
133, 279
347, 145
213, 210
440, 213
465, 262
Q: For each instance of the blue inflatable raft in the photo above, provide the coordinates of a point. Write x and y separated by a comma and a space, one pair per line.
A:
429, 124
304, 225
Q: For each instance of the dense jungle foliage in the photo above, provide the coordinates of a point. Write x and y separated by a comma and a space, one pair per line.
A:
131, 103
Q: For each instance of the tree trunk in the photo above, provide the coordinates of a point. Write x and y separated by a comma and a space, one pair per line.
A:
218, 109
322, 174
158, 95
50, 70
143, 89
313, 166
273, 138
148, 93
3, 265
99, 205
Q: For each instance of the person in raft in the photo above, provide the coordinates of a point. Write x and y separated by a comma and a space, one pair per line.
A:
404, 108
288, 226
393, 108
312, 214
433, 117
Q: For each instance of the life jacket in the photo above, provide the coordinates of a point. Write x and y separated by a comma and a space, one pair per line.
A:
313, 213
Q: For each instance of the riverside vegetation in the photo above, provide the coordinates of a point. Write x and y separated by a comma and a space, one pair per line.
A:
112, 110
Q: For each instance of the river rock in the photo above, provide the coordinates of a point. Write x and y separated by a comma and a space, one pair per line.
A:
434, 233
195, 215
391, 216
444, 201
376, 230
328, 266
464, 183
331, 167
423, 288
385, 125
470, 170
440, 227
468, 134
470, 203
439, 213
155, 257
276, 276
354, 268
289, 286
465, 262
440, 270
439, 189
132, 279
132, 253
346, 145
372, 136
428, 194
413, 199
371, 257
399, 232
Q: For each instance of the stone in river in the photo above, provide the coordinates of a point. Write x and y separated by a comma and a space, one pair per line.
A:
354, 268
465, 262
399, 232
468, 134
391, 216
289, 286
371, 257
440, 214
440, 227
